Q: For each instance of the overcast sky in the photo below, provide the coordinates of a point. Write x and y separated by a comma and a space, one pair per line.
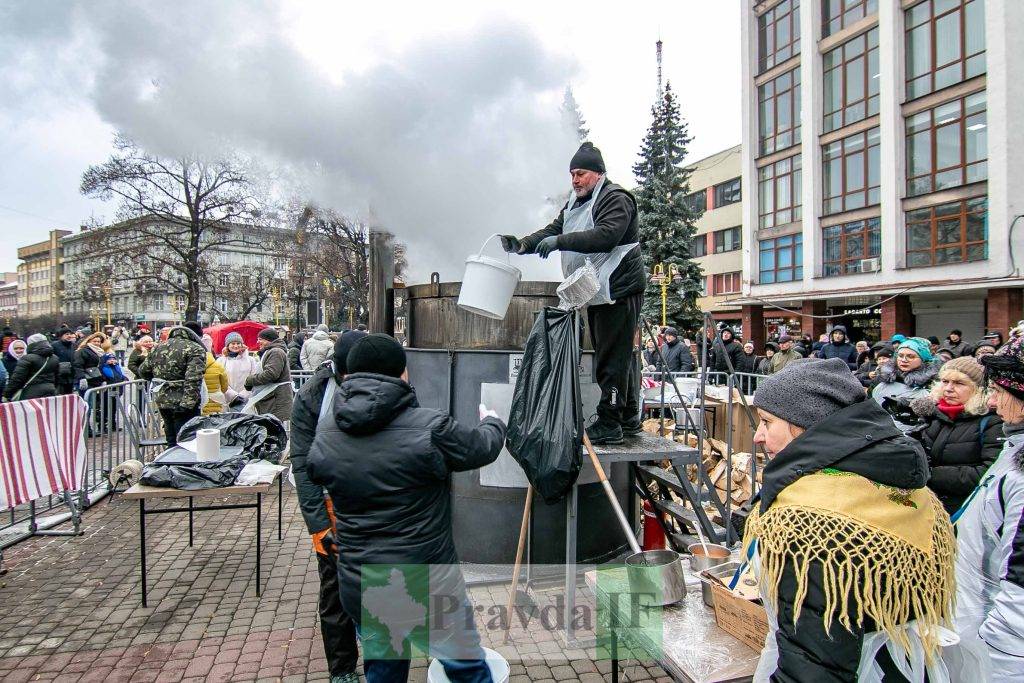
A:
449, 105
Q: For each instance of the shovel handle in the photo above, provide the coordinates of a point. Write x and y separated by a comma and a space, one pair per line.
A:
623, 522
519, 559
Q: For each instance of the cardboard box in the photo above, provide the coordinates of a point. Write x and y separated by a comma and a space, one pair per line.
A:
743, 619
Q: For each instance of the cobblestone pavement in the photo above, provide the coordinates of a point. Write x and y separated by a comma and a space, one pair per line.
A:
71, 607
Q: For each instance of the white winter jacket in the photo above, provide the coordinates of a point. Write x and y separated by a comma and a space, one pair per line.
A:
315, 351
990, 564
238, 368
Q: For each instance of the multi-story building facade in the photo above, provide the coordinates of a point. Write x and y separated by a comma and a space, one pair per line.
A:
883, 166
39, 276
8, 297
715, 191
244, 267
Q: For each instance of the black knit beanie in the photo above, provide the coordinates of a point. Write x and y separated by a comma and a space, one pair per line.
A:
588, 158
341, 348
195, 327
269, 334
377, 353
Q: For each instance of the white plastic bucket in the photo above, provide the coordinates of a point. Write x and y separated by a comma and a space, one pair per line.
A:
495, 662
488, 285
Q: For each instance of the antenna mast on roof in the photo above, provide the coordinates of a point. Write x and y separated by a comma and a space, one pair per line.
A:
657, 50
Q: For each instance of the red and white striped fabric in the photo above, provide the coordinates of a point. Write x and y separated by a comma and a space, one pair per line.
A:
42, 448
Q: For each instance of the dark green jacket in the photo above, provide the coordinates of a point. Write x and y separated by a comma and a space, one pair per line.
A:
181, 362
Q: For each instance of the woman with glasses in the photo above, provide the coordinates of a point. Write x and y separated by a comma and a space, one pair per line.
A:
909, 377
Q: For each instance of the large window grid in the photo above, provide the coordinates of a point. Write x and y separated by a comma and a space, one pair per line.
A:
778, 34
838, 14
945, 44
947, 146
779, 112
729, 239
727, 193
852, 172
845, 246
778, 192
948, 233
851, 81
781, 259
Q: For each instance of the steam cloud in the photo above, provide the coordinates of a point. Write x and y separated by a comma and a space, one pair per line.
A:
450, 140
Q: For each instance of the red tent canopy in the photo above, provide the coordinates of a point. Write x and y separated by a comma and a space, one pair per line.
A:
247, 328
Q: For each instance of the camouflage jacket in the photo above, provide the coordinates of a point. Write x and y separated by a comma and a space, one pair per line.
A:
181, 363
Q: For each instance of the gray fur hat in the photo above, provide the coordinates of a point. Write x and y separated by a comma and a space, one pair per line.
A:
808, 390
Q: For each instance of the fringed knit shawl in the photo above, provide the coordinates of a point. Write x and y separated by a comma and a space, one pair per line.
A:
886, 553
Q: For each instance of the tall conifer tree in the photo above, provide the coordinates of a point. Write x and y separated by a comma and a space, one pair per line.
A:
666, 222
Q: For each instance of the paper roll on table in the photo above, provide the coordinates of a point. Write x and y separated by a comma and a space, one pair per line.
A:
207, 445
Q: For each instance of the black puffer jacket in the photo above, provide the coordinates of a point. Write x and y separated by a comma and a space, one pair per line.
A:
615, 224
295, 351
861, 439
677, 356
39, 359
726, 346
65, 353
387, 464
86, 358
959, 451
747, 362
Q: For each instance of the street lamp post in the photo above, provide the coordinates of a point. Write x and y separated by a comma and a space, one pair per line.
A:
106, 295
664, 274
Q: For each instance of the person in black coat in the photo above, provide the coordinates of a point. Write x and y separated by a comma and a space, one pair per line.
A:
677, 354
295, 351
840, 347
651, 358
601, 219
748, 360
960, 436
35, 375
86, 364
64, 350
726, 346
387, 464
338, 629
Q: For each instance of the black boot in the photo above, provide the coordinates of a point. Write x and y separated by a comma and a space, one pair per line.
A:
604, 432
632, 426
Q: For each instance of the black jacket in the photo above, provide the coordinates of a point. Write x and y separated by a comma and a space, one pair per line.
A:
387, 464
861, 439
305, 415
845, 351
39, 358
615, 224
10, 362
677, 356
65, 354
959, 451
86, 358
865, 369
747, 363
722, 349
294, 351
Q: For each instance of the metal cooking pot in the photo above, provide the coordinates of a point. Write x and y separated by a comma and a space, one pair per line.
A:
657, 573
699, 561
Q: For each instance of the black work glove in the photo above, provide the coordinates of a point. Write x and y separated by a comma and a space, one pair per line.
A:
547, 245
512, 244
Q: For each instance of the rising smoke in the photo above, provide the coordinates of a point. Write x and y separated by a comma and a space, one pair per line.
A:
450, 139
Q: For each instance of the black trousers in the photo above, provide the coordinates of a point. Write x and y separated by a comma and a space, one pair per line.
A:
174, 420
615, 365
338, 629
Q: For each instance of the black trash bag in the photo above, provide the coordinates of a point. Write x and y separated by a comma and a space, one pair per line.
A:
262, 437
545, 425
201, 475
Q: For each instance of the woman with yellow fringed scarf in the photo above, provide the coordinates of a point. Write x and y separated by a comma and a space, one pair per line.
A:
853, 553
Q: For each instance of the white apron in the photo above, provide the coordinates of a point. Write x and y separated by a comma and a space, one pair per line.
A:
582, 218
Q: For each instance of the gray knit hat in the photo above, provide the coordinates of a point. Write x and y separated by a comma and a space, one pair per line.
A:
233, 337
808, 390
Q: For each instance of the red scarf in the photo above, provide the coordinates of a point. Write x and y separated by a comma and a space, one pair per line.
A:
950, 411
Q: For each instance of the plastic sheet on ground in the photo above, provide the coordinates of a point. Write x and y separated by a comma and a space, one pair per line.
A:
545, 430
262, 437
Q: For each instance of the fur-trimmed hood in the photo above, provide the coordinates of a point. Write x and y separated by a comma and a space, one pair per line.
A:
921, 377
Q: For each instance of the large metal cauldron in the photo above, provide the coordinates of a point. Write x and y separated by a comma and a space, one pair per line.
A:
452, 355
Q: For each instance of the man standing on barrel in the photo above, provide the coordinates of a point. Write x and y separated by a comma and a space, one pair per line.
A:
599, 223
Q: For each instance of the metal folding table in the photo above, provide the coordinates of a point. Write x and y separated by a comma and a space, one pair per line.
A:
142, 493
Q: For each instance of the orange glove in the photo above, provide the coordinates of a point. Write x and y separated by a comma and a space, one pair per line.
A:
323, 542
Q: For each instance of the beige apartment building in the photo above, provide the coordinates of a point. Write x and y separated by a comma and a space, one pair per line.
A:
39, 276
717, 248
8, 297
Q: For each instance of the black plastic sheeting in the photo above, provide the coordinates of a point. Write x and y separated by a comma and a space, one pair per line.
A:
201, 475
545, 432
262, 437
